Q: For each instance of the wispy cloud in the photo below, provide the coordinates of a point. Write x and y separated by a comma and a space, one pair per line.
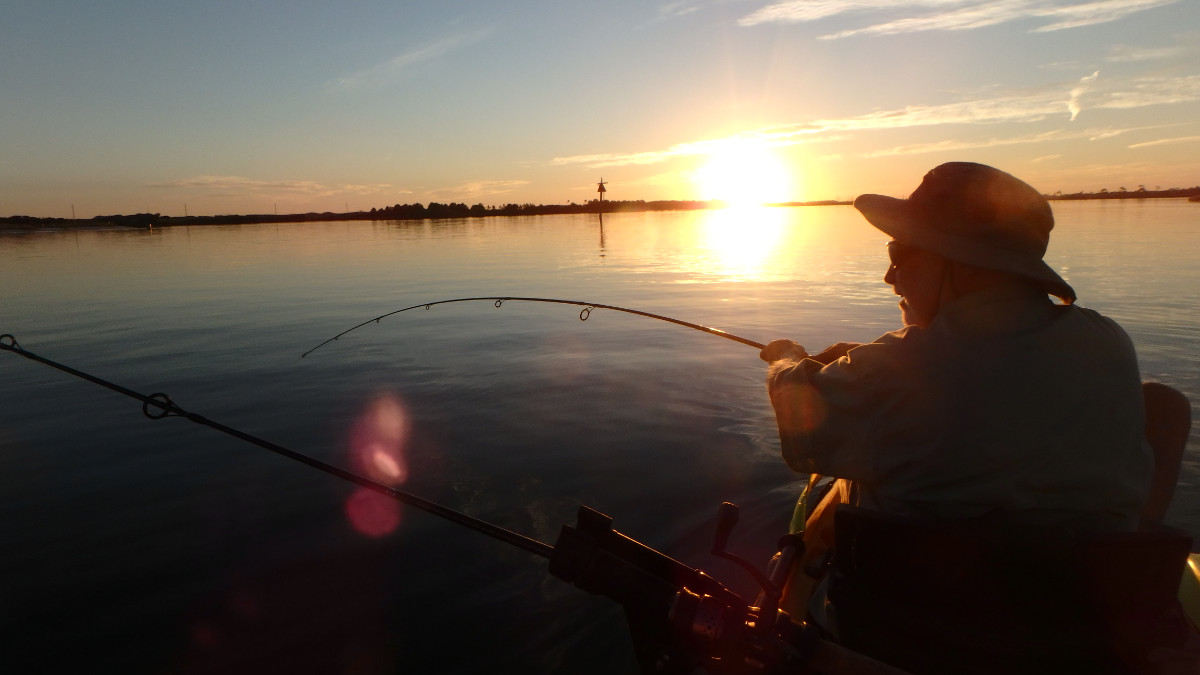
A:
1149, 91
802, 11
678, 8
1166, 141
238, 185
950, 15
1092, 13
1077, 93
1130, 54
774, 136
1025, 139
387, 71
481, 188
1018, 107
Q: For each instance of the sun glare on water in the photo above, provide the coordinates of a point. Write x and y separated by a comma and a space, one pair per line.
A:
744, 173
738, 243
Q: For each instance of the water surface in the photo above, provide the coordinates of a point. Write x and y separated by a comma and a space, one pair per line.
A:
140, 546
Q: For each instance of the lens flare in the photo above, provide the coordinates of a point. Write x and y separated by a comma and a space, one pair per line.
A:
372, 514
377, 444
800, 409
387, 466
379, 439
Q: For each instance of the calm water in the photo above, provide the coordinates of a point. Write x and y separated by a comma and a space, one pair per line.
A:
137, 546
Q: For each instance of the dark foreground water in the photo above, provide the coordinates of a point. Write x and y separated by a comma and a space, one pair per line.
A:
139, 546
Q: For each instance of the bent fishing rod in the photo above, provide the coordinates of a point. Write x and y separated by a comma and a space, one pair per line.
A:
158, 405
583, 316
682, 620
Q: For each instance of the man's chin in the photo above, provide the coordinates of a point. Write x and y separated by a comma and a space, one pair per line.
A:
908, 316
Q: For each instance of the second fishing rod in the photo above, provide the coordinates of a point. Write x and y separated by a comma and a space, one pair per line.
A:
670, 606
584, 314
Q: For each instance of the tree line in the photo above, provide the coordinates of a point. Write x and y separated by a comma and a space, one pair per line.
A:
1125, 193
434, 210
437, 210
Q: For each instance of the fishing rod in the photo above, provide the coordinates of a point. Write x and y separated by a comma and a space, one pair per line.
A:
583, 316
159, 405
681, 619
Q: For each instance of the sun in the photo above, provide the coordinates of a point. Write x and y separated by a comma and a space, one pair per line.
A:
744, 172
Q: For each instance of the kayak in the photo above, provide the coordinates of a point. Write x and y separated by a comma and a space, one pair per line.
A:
1189, 590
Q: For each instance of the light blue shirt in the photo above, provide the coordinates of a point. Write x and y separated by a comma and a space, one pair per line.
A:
1007, 406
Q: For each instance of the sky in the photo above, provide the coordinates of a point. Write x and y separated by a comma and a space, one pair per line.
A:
222, 107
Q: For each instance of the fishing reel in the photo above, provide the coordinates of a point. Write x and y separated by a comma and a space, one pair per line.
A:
681, 619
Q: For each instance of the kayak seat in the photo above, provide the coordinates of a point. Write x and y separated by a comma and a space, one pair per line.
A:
935, 598
1168, 424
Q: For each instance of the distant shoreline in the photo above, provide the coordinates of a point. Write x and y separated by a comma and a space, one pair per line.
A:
436, 211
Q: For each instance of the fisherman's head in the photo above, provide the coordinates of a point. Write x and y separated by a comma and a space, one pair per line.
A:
966, 217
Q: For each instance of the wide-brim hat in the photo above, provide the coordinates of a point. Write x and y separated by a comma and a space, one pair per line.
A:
974, 214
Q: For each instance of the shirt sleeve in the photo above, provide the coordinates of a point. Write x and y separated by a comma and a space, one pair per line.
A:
827, 414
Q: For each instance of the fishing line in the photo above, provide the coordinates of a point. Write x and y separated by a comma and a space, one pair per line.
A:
158, 405
583, 316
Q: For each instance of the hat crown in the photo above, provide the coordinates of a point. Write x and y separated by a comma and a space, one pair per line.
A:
985, 204
976, 215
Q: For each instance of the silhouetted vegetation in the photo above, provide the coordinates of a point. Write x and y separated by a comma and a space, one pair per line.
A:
1124, 193
435, 210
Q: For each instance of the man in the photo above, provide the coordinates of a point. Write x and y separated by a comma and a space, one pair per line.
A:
994, 403
994, 410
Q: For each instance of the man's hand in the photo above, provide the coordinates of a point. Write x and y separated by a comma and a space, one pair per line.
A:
782, 349
834, 352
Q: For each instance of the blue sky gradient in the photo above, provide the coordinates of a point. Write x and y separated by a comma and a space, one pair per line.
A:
247, 107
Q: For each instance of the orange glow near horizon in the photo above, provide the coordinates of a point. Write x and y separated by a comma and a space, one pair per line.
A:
744, 172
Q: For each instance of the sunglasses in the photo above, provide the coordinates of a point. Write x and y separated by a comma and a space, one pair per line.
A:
899, 252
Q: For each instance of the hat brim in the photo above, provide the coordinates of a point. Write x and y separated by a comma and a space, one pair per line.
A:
898, 219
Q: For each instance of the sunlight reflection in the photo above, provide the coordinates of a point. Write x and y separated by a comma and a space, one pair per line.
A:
740, 242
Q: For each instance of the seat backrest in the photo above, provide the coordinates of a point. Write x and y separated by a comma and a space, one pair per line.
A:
1168, 424
930, 597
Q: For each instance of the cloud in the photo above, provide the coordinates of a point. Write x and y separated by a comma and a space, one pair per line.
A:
1092, 13
1129, 54
238, 185
801, 11
1028, 107
482, 188
1077, 93
965, 18
369, 189
388, 71
1166, 141
957, 145
1026, 139
773, 136
1018, 107
678, 8
1148, 91
949, 15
